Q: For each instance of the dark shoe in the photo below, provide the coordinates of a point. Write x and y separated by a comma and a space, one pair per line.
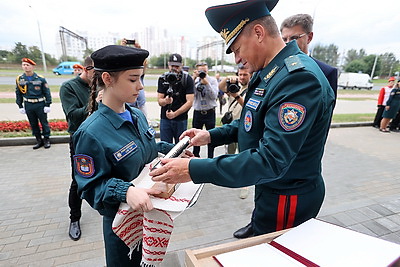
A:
47, 142
244, 232
39, 142
75, 231
384, 130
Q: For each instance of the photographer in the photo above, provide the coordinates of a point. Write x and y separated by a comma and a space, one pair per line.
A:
205, 102
175, 96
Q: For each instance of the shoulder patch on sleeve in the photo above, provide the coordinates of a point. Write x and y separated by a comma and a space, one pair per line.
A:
293, 63
84, 165
291, 115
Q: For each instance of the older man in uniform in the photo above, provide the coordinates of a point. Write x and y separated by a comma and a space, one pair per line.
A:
33, 99
282, 129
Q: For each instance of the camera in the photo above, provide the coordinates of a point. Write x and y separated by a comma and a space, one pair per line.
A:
130, 42
202, 74
170, 79
232, 87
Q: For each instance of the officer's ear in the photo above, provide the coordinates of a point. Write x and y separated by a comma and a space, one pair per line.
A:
259, 31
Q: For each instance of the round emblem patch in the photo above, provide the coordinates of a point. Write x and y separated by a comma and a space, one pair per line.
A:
248, 121
291, 115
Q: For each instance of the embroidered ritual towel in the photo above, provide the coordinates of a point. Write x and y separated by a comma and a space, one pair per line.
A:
152, 228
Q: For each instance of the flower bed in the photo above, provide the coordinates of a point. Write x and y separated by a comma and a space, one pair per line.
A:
23, 126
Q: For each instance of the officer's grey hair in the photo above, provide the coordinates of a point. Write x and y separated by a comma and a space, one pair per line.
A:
268, 22
304, 20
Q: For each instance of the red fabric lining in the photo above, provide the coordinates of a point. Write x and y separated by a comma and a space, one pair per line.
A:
293, 254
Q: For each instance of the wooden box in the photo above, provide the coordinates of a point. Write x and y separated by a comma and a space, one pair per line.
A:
204, 257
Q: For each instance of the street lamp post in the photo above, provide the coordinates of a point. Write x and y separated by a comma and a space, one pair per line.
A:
41, 44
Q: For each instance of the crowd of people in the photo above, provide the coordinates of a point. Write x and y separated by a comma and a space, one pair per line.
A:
279, 108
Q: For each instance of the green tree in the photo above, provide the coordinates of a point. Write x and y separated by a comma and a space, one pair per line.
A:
35, 54
389, 64
352, 54
5, 56
328, 54
369, 64
356, 66
20, 51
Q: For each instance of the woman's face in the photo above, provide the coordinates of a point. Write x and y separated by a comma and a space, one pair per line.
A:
127, 85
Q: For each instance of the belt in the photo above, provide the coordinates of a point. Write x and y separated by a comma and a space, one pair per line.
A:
34, 100
204, 112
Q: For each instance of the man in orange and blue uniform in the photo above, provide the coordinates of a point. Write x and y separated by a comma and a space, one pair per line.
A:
33, 99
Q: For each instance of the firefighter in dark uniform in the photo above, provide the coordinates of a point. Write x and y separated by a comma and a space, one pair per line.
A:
113, 145
33, 99
282, 129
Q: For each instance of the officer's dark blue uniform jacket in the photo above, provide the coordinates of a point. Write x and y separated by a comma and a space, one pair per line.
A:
281, 132
109, 153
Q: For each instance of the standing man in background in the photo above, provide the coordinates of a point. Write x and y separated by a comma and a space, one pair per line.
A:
299, 27
175, 96
78, 69
34, 99
205, 102
74, 96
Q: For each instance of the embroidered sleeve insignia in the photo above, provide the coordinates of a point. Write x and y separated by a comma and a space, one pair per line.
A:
291, 115
84, 165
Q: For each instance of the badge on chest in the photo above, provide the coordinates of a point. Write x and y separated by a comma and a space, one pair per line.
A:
125, 151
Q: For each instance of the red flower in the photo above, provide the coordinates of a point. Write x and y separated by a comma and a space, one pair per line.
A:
23, 126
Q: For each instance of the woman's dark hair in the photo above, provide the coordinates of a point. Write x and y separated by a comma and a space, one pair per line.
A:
97, 84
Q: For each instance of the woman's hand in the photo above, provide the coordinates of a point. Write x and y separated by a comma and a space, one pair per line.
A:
139, 198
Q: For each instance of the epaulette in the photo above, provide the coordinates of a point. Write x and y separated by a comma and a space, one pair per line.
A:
41, 76
293, 63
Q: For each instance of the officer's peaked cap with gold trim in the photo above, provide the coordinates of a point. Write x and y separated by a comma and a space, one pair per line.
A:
229, 19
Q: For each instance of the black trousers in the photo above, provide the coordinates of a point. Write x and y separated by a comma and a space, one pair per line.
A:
378, 116
207, 119
35, 113
74, 201
395, 123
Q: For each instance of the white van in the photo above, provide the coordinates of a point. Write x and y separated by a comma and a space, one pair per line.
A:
354, 81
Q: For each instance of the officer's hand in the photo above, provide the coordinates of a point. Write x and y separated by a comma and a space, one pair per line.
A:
46, 109
139, 198
197, 137
22, 111
172, 171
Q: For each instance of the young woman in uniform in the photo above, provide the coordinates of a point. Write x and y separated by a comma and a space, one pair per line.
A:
114, 143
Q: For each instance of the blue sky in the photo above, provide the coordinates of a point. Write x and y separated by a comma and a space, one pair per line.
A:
346, 23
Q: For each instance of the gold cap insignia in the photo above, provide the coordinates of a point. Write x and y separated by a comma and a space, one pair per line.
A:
228, 35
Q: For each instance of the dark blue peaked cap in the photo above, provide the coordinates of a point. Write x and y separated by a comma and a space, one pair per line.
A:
229, 19
118, 58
